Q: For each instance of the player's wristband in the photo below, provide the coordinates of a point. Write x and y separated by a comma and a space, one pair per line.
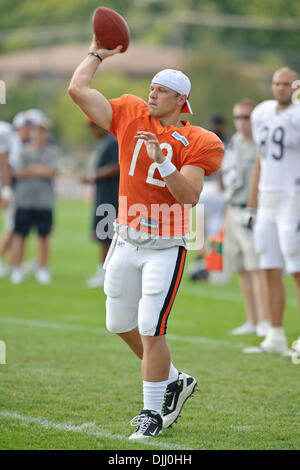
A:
6, 193
95, 54
166, 168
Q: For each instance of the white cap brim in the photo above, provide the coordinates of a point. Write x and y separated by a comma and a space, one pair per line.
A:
187, 108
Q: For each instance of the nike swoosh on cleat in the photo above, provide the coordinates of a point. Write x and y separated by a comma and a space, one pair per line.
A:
172, 404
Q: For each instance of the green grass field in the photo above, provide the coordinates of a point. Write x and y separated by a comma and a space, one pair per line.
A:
69, 384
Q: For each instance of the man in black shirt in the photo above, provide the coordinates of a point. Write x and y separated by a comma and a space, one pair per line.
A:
104, 173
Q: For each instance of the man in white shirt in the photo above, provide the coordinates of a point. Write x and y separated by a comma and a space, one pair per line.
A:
276, 193
19, 134
238, 250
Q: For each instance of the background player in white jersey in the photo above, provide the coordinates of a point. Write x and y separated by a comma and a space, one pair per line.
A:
276, 191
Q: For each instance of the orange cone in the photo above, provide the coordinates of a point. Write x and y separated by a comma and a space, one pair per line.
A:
214, 252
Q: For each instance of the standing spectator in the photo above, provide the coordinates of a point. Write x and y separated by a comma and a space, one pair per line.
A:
218, 126
34, 199
239, 253
104, 173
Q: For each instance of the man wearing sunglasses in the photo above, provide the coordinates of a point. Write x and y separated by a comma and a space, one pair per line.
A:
239, 252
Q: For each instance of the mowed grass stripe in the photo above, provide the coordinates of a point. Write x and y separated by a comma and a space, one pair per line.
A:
87, 428
103, 331
196, 291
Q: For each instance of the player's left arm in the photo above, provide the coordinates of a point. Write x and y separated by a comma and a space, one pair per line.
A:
186, 185
40, 171
254, 183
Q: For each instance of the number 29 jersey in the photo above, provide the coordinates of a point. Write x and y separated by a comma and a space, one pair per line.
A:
140, 180
277, 134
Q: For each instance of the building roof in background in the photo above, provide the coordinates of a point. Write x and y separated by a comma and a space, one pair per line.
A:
61, 61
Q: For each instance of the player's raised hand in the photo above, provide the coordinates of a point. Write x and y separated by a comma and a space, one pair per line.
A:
152, 145
96, 47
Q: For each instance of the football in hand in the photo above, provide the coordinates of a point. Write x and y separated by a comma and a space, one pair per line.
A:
110, 28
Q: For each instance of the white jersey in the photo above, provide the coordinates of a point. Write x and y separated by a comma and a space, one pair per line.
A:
11, 143
5, 137
277, 134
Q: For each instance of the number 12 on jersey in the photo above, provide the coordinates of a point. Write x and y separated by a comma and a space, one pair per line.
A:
150, 179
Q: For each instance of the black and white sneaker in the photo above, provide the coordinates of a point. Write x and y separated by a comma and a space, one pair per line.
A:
176, 395
149, 424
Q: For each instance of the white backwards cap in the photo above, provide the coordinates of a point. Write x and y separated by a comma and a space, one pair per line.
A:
20, 120
36, 117
178, 82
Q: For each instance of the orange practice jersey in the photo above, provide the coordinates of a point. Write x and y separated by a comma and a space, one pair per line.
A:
145, 202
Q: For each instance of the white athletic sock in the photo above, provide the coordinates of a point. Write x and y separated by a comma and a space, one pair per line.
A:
173, 374
154, 395
276, 331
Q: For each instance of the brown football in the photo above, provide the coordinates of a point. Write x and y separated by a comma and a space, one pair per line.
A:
110, 28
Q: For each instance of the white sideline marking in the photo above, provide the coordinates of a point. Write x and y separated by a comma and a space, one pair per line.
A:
86, 428
103, 331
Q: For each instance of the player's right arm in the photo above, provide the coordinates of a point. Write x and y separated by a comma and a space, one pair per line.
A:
250, 211
253, 197
91, 101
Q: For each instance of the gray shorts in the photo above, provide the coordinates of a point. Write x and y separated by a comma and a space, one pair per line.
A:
238, 251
